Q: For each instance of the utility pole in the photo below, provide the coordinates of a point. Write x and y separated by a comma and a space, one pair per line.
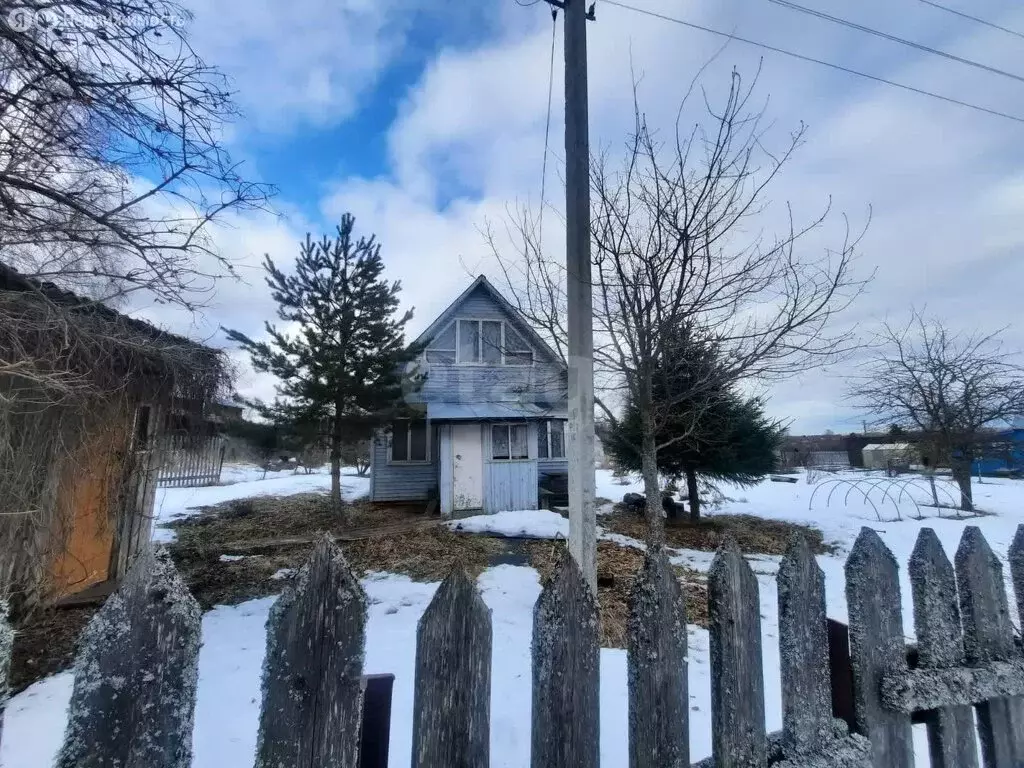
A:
582, 515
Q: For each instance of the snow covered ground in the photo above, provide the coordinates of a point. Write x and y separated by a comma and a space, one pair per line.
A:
233, 637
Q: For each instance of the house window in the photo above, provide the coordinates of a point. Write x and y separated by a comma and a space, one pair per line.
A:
410, 440
487, 342
517, 351
551, 439
510, 441
442, 348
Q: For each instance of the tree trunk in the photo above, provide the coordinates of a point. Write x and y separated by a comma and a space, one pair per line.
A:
336, 504
962, 476
694, 494
652, 488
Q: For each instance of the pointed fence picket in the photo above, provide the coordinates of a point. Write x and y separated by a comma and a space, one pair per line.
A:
451, 723
136, 673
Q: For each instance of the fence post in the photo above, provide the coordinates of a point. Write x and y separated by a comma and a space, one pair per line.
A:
940, 646
312, 692
988, 636
6, 647
451, 710
877, 647
807, 722
659, 734
1017, 570
737, 681
565, 731
135, 675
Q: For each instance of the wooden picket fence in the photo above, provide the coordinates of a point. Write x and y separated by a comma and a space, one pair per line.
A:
188, 460
135, 685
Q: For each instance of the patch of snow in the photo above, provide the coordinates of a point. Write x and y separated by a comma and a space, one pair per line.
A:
231, 558
527, 523
622, 541
283, 573
612, 488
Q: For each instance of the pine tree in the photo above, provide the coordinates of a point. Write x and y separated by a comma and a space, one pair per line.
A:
344, 366
722, 436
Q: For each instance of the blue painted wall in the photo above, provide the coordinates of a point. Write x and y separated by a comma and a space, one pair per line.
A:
995, 462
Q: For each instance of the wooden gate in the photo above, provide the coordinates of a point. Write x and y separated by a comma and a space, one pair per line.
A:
189, 460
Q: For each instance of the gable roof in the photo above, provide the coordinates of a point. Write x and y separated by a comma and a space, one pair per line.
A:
482, 282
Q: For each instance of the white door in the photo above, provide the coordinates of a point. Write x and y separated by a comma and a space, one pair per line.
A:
468, 466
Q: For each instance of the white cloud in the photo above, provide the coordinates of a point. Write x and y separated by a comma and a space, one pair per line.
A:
304, 62
944, 182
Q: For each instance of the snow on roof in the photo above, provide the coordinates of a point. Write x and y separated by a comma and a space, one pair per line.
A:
888, 447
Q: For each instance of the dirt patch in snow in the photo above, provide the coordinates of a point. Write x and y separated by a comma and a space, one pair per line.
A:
755, 535
617, 567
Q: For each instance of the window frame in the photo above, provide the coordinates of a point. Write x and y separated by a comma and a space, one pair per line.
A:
408, 443
547, 439
506, 353
508, 425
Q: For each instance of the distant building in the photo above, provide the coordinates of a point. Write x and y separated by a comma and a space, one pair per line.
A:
884, 455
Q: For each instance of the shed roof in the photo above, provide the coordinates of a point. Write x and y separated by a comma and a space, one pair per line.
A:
888, 447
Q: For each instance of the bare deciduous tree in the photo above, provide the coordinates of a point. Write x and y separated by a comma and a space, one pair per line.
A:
952, 388
674, 261
111, 161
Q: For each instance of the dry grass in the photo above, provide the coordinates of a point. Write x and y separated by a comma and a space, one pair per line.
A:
423, 554
617, 567
755, 535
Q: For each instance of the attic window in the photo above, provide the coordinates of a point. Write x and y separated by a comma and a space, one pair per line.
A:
442, 348
479, 342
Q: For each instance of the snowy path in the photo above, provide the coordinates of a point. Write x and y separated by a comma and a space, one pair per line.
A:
231, 659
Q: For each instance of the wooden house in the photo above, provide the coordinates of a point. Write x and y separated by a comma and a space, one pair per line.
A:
83, 393
492, 412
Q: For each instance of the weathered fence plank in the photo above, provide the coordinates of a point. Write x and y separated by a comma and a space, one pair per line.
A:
803, 651
811, 735
6, 647
940, 645
312, 695
737, 680
451, 712
135, 675
925, 689
566, 717
877, 647
1016, 557
988, 636
659, 735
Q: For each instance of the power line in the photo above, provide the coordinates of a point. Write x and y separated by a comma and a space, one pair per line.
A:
963, 15
813, 60
547, 131
893, 38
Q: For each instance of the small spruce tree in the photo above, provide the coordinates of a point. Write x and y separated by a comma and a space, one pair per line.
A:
342, 363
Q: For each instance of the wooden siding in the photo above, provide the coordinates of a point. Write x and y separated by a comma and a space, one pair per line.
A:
510, 485
402, 482
544, 381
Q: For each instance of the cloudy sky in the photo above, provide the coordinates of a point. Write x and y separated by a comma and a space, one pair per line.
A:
426, 120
